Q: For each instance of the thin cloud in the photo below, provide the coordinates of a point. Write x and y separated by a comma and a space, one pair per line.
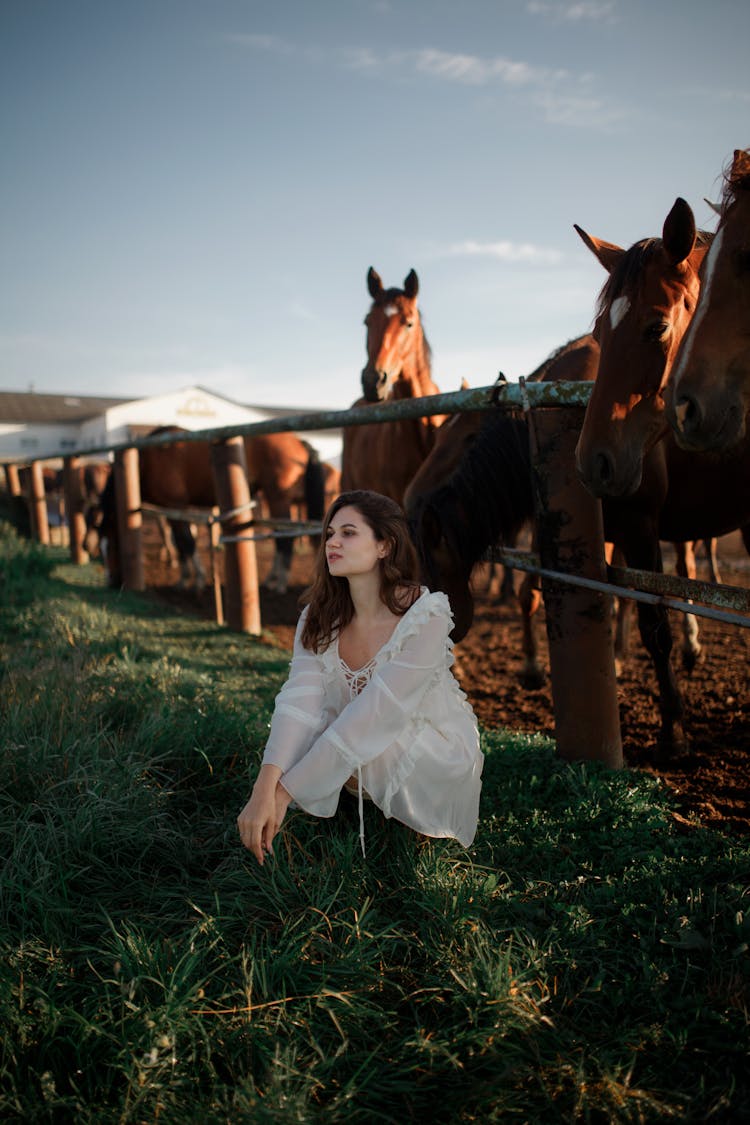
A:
573, 12
301, 312
577, 111
561, 97
505, 251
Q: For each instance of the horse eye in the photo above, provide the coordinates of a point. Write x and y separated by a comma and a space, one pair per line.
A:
655, 333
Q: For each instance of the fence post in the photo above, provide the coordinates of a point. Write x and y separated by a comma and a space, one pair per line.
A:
214, 535
579, 621
74, 509
11, 478
38, 501
129, 518
240, 565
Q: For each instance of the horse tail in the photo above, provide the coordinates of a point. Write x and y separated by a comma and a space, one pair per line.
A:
184, 540
315, 490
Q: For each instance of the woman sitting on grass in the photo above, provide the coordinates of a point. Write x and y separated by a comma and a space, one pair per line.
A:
371, 704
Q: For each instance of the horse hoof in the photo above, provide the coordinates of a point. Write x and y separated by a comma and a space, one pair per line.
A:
670, 746
690, 658
531, 679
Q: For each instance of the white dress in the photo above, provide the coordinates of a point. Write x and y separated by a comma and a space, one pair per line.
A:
402, 724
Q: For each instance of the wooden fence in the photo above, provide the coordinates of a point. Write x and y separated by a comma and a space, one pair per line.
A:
577, 585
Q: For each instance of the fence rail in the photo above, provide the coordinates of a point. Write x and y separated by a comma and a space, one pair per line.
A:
592, 707
507, 396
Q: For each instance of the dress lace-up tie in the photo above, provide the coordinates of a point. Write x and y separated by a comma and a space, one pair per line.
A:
356, 681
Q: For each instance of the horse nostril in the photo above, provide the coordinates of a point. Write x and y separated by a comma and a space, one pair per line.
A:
603, 468
688, 414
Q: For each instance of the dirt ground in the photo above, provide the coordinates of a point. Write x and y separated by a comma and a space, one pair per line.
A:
711, 780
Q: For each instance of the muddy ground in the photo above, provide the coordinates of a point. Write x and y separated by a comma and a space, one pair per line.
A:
711, 780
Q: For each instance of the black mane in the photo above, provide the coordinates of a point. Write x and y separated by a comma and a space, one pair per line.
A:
488, 498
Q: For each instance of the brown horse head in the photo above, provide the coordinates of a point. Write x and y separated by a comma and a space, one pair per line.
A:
396, 347
642, 314
708, 395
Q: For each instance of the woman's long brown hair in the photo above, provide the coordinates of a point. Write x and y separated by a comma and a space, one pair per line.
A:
328, 597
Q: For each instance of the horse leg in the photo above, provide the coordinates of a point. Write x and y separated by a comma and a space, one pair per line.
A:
622, 610
184, 539
745, 533
507, 586
200, 580
167, 550
712, 558
656, 635
530, 598
686, 568
278, 577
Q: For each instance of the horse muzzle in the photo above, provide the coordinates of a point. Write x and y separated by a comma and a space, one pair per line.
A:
375, 385
704, 426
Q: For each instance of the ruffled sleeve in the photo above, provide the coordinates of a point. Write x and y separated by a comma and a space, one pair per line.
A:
405, 668
299, 712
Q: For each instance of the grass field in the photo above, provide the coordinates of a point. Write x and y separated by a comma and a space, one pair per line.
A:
586, 960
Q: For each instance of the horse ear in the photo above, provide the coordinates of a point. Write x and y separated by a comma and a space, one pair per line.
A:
714, 206
411, 285
607, 253
678, 234
374, 284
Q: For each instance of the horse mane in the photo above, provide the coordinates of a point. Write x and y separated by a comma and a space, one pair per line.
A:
624, 277
488, 497
736, 179
538, 374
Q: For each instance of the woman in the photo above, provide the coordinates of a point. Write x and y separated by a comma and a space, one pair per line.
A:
371, 704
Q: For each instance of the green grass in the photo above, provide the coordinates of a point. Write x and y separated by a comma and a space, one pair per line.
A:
586, 960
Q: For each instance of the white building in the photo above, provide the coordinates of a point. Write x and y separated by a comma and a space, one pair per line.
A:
34, 426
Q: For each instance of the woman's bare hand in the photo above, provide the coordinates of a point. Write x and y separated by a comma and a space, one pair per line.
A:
261, 817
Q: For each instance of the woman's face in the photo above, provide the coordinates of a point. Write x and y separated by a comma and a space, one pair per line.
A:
351, 546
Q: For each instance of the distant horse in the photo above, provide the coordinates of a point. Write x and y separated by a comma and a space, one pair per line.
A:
93, 477
385, 456
626, 452
708, 393
180, 475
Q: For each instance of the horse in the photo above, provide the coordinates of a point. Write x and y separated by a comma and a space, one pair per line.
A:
180, 475
576, 360
452, 439
385, 456
93, 477
708, 391
627, 454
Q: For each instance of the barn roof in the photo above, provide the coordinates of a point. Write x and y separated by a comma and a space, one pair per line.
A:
30, 407
33, 408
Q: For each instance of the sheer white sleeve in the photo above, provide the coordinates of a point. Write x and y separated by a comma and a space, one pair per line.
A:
298, 716
373, 720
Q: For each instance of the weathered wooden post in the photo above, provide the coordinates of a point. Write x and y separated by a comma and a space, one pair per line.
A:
242, 603
11, 478
214, 535
74, 513
38, 504
579, 621
129, 518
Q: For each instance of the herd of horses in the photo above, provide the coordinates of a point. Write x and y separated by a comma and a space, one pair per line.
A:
283, 471
664, 441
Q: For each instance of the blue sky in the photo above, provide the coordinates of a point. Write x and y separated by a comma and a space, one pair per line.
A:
192, 191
